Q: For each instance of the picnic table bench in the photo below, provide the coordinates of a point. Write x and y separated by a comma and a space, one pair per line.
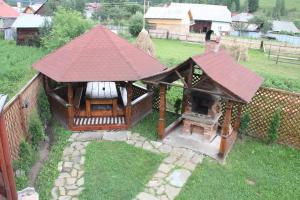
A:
101, 93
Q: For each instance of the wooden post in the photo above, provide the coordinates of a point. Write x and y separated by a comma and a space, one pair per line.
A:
237, 122
188, 80
6, 167
46, 84
70, 106
225, 129
162, 111
22, 115
128, 106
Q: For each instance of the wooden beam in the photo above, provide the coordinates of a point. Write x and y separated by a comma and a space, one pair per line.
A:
70, 106
181, 78
237, 122
129, 106
188, 79
162, 111
225, 129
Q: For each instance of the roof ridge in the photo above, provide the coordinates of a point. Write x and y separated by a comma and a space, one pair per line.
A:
119, 52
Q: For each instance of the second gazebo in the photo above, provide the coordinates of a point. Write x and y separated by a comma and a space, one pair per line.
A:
89, 81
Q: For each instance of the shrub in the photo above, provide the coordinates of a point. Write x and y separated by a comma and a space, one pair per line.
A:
274, 127
36, 129
136, 24
1, 35
245, 119
43, 107
177, 105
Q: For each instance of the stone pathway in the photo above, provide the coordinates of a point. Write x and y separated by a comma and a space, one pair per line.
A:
166, 184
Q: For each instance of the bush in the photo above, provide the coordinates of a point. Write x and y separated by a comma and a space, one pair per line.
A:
177, 105
274, 127
136, 24
244, 123
36, 129
1, 35
43, 107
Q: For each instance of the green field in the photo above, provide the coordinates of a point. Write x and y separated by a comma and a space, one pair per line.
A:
253, 171
283, 76
15, 66
116, 170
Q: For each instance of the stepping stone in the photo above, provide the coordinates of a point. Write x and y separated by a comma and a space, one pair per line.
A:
89, 136
178, 177
172, 192
146, 196
115, 136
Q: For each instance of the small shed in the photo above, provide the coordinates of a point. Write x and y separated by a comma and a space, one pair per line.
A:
27, 28
7, 17
90, 81
209, 79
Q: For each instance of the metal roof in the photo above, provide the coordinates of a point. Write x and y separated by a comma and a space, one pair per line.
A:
199, 12
98, 55
278, 26
6, 11
2, 101
30, 21
242, 17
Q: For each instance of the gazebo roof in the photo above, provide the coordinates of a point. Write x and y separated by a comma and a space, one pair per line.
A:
222, 69
98, 55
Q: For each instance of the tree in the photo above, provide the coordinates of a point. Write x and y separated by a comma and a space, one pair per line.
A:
279, 9
66, 25
136, 24
53, 5
253, 5
114, 11
262, 22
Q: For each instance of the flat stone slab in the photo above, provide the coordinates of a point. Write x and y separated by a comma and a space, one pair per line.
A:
115, 136
88, 136
178, 177
146, 196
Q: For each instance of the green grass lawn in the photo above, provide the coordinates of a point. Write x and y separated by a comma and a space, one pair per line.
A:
15, 66
116, 170
148, 126
253, 170
282, 76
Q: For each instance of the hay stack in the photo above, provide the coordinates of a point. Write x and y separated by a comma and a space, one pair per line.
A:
238, 51
145, 43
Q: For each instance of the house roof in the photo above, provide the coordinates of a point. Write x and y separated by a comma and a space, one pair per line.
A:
30, 21
167, 12
98, 55
206, 12
242, 17
6, 11
224, 70
34, 7
278, 26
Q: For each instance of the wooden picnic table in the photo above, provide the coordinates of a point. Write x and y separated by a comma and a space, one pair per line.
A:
101, 93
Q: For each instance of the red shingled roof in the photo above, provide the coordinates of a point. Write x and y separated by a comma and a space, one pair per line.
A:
7, 11
224, 70
98, 55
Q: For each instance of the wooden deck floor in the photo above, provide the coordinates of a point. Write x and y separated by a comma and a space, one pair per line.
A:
96, 121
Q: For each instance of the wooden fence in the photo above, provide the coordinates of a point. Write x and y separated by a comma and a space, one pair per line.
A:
227, 40
282, 54
16, 113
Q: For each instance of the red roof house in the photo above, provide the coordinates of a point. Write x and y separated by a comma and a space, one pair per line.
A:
6, 11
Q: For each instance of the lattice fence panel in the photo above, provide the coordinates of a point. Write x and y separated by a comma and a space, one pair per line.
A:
138, 91
262, 108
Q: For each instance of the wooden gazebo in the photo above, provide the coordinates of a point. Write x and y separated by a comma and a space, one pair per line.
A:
208, 80
90, 81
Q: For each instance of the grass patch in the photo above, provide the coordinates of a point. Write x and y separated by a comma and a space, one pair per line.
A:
116, 170
253, 171
15, 66
147, 127
49, 172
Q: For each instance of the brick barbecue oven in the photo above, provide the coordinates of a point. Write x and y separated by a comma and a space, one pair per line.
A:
202, 115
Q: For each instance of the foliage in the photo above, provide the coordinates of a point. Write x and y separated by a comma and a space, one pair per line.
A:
48, 172
67, 24
136, 24
252, 171
52, 6
15, 65
279, 9
263, 22
245, 120
1, 35
273, 130
177, 105
43, 107
36, 129
27, 157
253, 5
116, 170
147, 127
173, 94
